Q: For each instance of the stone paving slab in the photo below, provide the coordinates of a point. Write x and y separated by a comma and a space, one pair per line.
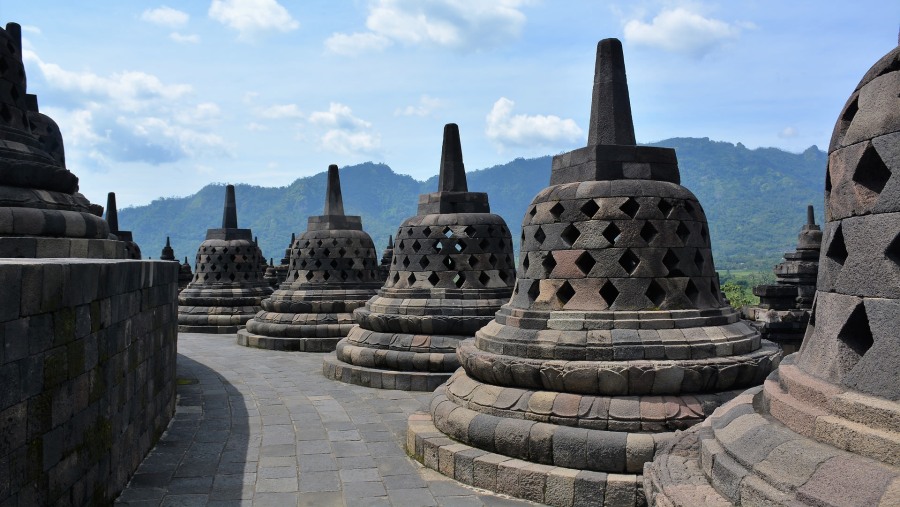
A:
258, 427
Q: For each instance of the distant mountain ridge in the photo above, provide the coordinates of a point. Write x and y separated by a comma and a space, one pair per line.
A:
755, 201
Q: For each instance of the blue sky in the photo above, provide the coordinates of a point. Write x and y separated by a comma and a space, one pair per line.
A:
158, 99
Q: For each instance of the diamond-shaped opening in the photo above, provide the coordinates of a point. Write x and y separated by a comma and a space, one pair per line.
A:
892, 251
664, 207
525, 261
319, 243
565, 292
4, 113
871, 171
334, 242
303, 263
856, 337
484, 243
318, 263
590, 208
326, 275
655, 293
405, 262
396, 277
231, 277
683, 232
503, 275
484, 278
691, 291
473, 261
670, 261
326, 252
549, 263
350, 263
611, 233
492, 260
334, 264
459, 280
570, 235
704, 233
533, 211
849, 114
401, 245
411, 279
449, 262
469, 230
424, 262
409, 232
433, 278
344, 275
309, 275
416, 246
609, 293
218, 276
426, 231
501, 244
648, 232
714, 290
539, 235
689, 207
459, 246
837, 250
585, 263
438, 246
630, 207
828, 178
557, 210
699, 261
448, 232
629, 261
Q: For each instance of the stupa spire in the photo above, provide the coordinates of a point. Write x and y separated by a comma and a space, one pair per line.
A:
611, 122
334, 201
112, 214
453, 173
229, 216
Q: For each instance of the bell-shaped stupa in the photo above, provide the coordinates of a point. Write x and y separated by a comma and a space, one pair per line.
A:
185, 276
452, 268
284, 265
616, 334
41, 212
228, 285
333, 271
387, 256
167, 254
824, 430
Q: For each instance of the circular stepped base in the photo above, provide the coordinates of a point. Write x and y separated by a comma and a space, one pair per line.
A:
551, 485
209, 329
312, 344
336, 369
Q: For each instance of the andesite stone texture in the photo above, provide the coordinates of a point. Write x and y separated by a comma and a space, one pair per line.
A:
228, 285
284, 265
783, 310
451, 269
270, 276
185, 276
387, 256
616, 334
41, 212
824, 429
333, 271
132, 250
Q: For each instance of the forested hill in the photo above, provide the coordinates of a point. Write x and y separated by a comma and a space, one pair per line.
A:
755, 201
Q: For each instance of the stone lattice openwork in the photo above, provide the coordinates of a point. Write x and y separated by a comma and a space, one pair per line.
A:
333, 271
41, 212
615, 336
783, 310
452, 268
825, 427
228, 285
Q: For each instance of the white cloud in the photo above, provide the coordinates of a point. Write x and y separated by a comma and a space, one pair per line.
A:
256, 127
527, 131
680, 30
465, 25
345, 134
251, 17
31, 29
281, 111
788, 133
165, 16
185, 38
425, 107
356, 43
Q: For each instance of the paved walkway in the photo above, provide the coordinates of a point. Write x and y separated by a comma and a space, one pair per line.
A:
258, 427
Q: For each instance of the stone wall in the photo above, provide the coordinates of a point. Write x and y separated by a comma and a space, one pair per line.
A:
88, 375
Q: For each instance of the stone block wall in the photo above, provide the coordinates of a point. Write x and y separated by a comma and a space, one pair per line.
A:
87, 375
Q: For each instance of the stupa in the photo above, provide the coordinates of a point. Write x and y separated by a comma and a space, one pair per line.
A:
284, 265
133, 251
615, 336
824, 429
167, 254
185, 276
783, 310
333, 271
452, 268
269, 276
41, 212
387, 255
228, 285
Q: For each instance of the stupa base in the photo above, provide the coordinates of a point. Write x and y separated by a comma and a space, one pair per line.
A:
336, 369
36, 247
209, 329
547, 484
312, 343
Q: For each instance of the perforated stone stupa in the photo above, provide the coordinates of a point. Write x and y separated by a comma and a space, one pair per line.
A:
783, 310
451, 270
228, 285
615, 336
41, 212
824, 430
333, 271
387, 256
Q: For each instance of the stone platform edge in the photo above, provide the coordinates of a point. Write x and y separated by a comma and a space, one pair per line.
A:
547, 484
335, 369
311, 344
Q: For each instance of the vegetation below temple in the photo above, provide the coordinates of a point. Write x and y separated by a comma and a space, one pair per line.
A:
755, 201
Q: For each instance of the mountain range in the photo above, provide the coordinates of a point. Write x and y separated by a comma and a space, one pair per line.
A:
755, 201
